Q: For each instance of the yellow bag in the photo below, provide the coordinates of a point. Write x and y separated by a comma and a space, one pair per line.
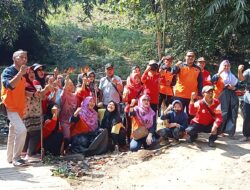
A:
161, 124
101, 112
116, 128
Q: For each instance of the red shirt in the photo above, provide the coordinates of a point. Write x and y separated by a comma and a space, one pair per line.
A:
49, 127
81, 95
203, 116
151, 85
130, 93
206, 78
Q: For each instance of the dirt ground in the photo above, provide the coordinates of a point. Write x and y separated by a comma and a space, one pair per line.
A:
182, 166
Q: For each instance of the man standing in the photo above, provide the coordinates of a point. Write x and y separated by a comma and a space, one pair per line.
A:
150, 79
208, 116
189, 79
246, 108
167, 81
13, 97
111, 86
206, 78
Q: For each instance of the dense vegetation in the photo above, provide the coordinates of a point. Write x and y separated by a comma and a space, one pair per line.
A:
125, 32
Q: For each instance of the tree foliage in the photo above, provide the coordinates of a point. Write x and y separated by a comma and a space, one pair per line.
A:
23, 25
214, 29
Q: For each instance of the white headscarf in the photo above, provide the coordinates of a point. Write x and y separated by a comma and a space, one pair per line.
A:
228, 77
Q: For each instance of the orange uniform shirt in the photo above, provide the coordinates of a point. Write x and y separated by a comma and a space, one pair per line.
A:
189, 80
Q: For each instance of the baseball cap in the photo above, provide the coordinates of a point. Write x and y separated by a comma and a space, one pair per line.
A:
109, 65
152, 62
35, 66
207, 88
201, 59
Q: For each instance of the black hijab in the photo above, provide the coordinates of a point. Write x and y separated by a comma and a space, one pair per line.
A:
111, 118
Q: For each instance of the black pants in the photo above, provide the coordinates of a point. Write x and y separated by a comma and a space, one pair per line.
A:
246, 121
32, 139
196, 128
128, 126
166, 99
119, 139
154, 107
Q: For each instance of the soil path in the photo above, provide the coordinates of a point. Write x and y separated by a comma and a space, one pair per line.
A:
183, 166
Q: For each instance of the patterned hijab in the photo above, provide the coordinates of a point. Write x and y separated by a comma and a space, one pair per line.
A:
90, 116
228, 77
144, 114
29, 84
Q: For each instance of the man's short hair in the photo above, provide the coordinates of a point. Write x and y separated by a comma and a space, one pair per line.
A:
18, 52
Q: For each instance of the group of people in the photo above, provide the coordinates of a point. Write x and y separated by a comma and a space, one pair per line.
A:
48, 112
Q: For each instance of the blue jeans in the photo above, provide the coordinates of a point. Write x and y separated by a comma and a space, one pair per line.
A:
135, 145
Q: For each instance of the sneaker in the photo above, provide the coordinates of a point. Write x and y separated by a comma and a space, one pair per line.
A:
244, 139
163, 141
116, 151
211, 144
175, 142
19, 163
123, 148
190, 140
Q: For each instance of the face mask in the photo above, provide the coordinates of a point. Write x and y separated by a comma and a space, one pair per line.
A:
177, 111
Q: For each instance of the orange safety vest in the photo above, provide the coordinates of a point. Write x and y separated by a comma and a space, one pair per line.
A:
14, 99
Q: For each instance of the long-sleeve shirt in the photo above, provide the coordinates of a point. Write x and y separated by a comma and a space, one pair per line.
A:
151, 85
180, 118
134, 115
167, 81
203, 116
206, 78
13, 98
189, 80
